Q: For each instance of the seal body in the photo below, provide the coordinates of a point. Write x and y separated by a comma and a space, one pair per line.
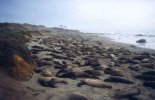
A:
118, 79
78, 96
94, 83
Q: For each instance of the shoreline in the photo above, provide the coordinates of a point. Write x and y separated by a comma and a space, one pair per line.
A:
114, 44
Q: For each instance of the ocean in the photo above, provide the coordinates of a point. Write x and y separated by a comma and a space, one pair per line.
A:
132, 38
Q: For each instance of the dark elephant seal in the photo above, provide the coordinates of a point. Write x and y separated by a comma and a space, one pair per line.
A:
51, 81
118, 79
149, 84
127, 92
46, 81
145, 77
94, 72
73, 74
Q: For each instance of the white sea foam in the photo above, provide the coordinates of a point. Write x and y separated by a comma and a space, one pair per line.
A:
132, 38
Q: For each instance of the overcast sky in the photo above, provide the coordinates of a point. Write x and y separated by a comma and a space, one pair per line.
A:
86, 15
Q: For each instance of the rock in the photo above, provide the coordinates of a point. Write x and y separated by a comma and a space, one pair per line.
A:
46, 73
146, 77
94, 83
135, 67
118, 79
21, 69
127, 92
114, 72
140, 35
141, 41
77, 96
149, 84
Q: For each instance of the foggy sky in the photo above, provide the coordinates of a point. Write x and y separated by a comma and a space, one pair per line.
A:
85, 15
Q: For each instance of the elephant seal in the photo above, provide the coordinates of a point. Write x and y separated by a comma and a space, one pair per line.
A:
127, 92
77, 96
152, 73
46, 81
114, 72
149, 84
59, 80
73, 74
94, 83
145, 77
94, 72
46, 73
50, 81
118, 79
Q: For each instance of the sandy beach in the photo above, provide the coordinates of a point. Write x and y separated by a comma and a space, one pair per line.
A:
75, 49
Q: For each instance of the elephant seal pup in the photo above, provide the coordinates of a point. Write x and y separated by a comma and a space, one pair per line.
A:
114, 72
118, 79
77, 96
46, 73
94, 83
47, 81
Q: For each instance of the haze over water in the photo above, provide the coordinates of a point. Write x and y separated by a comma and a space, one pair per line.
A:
99, 16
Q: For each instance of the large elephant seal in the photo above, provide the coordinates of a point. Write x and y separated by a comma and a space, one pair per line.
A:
50, 81
46, 81
94, 72
59, 80
77, 96
118, 79
94, 83
114, 72
127, 92
73, 74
